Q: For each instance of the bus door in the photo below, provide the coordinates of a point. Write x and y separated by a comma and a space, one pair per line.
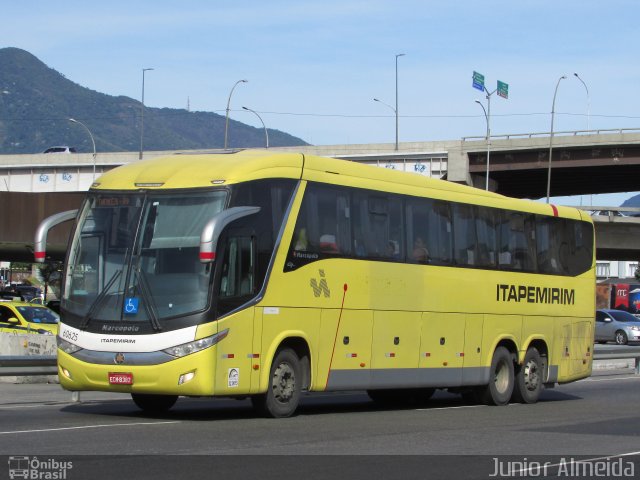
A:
235, 285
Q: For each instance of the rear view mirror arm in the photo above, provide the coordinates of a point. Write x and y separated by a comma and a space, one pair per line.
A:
212, 230
40, 242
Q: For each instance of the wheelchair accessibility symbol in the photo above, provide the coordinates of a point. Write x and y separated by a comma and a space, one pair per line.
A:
131, 305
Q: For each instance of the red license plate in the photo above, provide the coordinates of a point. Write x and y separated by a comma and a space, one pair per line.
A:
120, 378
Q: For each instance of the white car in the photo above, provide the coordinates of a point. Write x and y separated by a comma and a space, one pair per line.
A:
616, 326
60, 150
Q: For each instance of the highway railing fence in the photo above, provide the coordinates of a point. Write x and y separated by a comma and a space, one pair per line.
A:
19, 365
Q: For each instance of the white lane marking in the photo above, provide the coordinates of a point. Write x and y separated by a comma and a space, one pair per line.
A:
449, 408
86, 426
56, 404
608, 379
40, 405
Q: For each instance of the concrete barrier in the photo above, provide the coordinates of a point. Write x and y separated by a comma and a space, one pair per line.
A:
27, 345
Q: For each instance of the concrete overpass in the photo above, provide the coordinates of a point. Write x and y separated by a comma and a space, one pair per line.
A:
617, 237
33, 186
584, 162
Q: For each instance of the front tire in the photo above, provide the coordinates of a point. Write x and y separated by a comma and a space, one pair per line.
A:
528, 381
501, 379
285, 382
154, 404
621, 338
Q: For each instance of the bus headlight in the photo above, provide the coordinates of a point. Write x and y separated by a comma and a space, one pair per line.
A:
67, 347
196, 346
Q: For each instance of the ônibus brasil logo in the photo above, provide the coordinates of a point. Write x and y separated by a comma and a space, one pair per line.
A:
36, 469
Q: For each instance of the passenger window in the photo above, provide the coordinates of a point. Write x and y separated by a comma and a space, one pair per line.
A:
324, 222
377, 224
517, 242
464, 234
486, 231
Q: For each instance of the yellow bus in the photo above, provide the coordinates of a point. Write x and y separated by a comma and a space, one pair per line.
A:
266, 274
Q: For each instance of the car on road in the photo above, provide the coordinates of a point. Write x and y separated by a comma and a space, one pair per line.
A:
61, 149
608, 213
23, 317
10, 295
29, 292
616, 326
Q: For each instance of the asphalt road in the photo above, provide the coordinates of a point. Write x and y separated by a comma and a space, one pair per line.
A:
333, 435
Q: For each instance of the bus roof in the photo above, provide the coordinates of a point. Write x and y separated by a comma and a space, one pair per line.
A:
203, 170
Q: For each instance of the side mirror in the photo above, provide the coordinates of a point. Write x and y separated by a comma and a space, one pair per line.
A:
40, 242
215, 226
13, 321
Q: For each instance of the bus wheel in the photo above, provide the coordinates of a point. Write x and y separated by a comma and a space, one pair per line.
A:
154, 403
283, 394
501, 379
529, 378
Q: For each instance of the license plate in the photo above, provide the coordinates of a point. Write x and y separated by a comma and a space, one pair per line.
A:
121, 378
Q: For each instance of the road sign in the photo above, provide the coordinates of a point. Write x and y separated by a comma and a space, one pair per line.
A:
478, 81
503, 89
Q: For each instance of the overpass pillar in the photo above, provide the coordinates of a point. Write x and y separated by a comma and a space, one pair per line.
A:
458, 166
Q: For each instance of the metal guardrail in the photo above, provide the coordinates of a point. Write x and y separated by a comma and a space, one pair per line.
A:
47, 364
24, 365
509, 136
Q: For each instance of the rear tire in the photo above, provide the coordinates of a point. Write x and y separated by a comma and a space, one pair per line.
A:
154, 404
528, 381
501, 379
621, 338
285, 382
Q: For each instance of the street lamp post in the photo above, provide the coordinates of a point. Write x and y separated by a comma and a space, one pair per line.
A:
395, 113
266, 133
588, 101
226, 123
92, 142
487, 117
553, 110
142, 114
396, 109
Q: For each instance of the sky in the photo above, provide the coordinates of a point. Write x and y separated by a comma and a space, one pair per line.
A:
314, 66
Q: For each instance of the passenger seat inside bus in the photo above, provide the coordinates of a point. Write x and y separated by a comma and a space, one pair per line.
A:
328, 244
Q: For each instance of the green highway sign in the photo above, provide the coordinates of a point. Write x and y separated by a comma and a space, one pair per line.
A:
478, 81
503, 89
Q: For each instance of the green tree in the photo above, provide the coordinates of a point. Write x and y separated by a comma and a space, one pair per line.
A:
51, 275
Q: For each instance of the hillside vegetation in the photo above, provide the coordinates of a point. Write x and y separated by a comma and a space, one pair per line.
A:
37, 101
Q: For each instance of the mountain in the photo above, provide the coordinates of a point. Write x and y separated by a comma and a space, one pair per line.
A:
37, 101
632, 202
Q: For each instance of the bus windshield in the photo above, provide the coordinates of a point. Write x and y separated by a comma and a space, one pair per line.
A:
134, 257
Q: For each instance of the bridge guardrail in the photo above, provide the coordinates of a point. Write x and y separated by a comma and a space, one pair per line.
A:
509, 136
16, 365
26, 365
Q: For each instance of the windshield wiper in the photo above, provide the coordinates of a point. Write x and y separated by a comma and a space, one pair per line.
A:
99, 299
149, 306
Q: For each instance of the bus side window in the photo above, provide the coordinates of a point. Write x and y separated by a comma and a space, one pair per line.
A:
464, 234
486, 230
